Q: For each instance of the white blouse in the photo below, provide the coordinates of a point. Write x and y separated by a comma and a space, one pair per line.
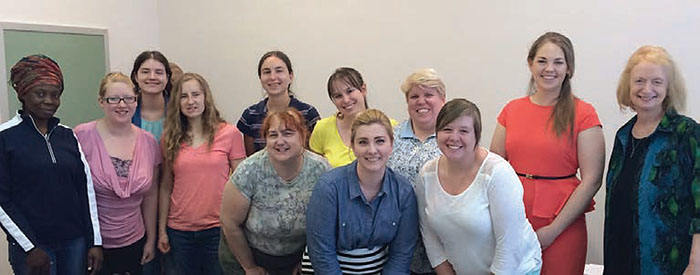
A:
481, 230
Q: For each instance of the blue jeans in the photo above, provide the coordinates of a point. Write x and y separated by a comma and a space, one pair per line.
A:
67, 257
195, 252
162, 262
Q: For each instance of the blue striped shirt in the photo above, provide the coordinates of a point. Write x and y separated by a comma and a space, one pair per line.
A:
252, 118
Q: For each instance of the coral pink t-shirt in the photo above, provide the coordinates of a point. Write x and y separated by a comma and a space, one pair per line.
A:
200, 175
119, 199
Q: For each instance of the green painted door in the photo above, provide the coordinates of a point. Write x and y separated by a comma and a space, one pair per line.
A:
82, 61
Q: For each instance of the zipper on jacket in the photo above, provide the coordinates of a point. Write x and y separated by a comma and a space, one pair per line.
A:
46, 138
48, 145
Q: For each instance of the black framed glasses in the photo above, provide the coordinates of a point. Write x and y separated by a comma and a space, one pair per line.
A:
114, 100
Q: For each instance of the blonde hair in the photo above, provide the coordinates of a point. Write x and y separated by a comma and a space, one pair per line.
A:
177, 125
676, 94
112, 78
369, 117
425, 78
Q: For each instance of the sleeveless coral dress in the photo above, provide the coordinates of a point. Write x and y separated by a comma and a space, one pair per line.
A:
532, 147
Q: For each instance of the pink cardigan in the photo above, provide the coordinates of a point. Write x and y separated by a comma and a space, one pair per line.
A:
118, 199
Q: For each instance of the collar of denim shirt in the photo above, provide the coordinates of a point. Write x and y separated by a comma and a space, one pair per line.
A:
354, 190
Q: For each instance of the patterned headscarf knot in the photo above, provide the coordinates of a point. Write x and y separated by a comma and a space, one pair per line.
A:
35, 70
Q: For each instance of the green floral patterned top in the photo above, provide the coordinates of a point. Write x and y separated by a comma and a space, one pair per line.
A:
276, 222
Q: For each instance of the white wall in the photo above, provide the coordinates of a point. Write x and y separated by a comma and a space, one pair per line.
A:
132, 24
479, 47
132, 27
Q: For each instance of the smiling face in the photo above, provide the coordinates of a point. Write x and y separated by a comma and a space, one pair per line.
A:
457, 140
548, 68
152, 77
372, 147
192, 99
42, 101
347, 99
648, 87
275, 77
283, 142
125, 105
423, 106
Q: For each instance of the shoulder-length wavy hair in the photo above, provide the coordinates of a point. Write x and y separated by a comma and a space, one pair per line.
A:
676, 93
176, 130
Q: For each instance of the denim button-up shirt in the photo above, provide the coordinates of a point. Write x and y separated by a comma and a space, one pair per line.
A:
339, 217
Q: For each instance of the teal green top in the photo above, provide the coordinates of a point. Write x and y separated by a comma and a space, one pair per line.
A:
153, 127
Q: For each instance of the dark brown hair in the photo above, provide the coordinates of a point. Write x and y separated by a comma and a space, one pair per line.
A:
282, 56
456, 108
157, 56
348, 75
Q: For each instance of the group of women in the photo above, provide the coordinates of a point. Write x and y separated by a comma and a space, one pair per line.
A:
162, 183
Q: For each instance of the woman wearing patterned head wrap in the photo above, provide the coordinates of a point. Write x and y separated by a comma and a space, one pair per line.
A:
47, 200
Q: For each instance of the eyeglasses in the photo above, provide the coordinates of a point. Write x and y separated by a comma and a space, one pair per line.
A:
115, 100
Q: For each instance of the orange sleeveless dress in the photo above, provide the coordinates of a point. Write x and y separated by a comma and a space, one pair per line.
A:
532, 147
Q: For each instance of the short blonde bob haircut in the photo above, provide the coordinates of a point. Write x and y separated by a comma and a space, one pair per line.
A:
425, 78
675, 95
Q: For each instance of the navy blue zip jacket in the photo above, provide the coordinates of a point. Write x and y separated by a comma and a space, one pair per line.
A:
46, 191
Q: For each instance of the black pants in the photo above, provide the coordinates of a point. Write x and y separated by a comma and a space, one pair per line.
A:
123, 260
277, 265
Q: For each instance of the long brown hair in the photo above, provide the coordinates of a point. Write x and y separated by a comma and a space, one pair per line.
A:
177, 125
562, 116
